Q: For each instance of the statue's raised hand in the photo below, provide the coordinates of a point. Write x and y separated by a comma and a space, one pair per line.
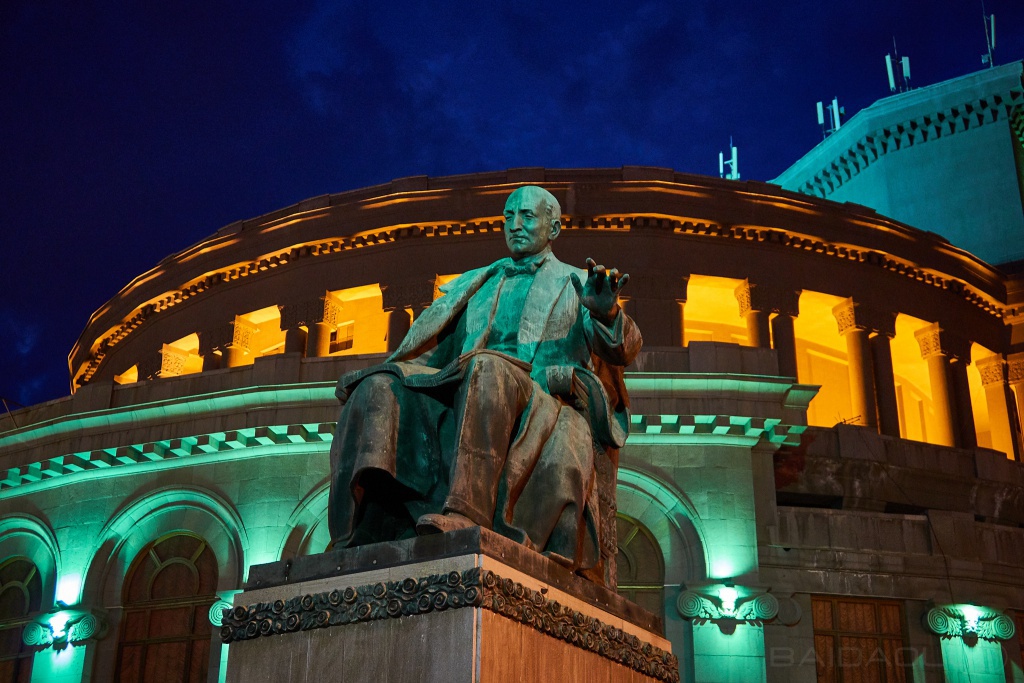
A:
600, 293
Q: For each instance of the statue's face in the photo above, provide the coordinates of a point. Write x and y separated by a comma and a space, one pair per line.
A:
528, 228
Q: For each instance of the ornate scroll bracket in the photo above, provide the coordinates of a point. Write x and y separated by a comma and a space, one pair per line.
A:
969, 622
63, 626
727, 605
471, 588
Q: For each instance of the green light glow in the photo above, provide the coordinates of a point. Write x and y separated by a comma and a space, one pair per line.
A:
971, 616
69, 589
59, 623
728, 595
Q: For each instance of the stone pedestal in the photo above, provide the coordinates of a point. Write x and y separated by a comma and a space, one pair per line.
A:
464, 606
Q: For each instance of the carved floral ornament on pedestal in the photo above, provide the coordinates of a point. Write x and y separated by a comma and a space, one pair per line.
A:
727, 605
969, 622
63, 626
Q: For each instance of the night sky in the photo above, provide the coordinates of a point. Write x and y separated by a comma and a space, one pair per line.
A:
131, 130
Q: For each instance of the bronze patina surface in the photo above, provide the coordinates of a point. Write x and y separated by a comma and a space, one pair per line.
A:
503, 407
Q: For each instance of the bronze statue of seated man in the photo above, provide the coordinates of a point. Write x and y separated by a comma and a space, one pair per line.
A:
503, 407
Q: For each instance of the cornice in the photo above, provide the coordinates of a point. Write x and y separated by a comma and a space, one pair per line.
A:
297, 253
869, 148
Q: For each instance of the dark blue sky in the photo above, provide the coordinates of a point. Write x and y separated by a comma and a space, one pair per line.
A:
133, 129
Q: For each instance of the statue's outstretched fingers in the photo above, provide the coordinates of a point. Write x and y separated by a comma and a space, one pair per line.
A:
623, 279
576, 284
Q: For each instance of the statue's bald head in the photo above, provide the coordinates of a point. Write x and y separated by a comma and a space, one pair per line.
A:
533, 218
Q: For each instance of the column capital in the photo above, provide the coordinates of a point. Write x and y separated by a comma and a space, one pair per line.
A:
935, 341
172, 361
236, 333
853, 315
768, 299
323, 309
1015, 368
656, 285
992, 369
408, 294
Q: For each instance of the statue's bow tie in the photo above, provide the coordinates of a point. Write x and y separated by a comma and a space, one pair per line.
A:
528, 268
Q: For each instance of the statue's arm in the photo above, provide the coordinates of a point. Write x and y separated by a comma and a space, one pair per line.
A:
617, 342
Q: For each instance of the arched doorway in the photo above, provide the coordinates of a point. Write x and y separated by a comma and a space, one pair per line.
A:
165, 630
21, 591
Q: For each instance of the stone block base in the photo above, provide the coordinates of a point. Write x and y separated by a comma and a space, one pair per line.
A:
468, 617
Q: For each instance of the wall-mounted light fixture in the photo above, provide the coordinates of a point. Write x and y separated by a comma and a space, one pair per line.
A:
727, 604
64, 625
969, 622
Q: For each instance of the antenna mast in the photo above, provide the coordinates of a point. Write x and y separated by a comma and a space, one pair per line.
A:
731, 162
989, 20
834, 121
904, 63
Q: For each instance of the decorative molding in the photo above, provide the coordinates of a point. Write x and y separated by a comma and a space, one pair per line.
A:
241, 333
992, 370
852, 315
172, 361
323, 309
168, 449
774, 236
768, 299
969, 621
1015, 371
217, 610
413, 294
63, 626
727, 605
471, 588
657, 286
935, 341
873, 146
771, 429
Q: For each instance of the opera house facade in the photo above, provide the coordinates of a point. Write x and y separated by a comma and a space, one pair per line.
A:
823, 477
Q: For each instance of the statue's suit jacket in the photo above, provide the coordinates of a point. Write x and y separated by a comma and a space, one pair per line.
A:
557, 336
552, 459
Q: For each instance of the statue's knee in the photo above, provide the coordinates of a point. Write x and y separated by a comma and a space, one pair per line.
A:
489, 364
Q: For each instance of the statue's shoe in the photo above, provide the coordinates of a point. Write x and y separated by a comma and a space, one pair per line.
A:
438, 524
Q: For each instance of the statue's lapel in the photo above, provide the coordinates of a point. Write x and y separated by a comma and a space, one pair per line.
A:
480, 310
545, 292
431, 321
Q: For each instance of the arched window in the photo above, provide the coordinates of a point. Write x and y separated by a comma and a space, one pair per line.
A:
641, 568
21, 592
165, 629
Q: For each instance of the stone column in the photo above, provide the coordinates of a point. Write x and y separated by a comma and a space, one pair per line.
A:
941, 351
885, 382
1015, 379
1001, 406
756, 317
861, 366
757, 303
172, 361
869, 358
397, 297
238, 348
656, 303
319, 317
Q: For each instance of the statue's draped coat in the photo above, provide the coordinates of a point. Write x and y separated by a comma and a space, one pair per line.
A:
556, 492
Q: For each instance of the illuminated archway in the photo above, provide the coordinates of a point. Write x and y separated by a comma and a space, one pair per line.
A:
165, 511
306, 529
26, 536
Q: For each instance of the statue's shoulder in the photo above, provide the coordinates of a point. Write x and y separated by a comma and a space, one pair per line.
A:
564, 270
471, 278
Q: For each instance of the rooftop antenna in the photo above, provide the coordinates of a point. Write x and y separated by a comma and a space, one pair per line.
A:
904, 63
734, 170
834, 120
989, 20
